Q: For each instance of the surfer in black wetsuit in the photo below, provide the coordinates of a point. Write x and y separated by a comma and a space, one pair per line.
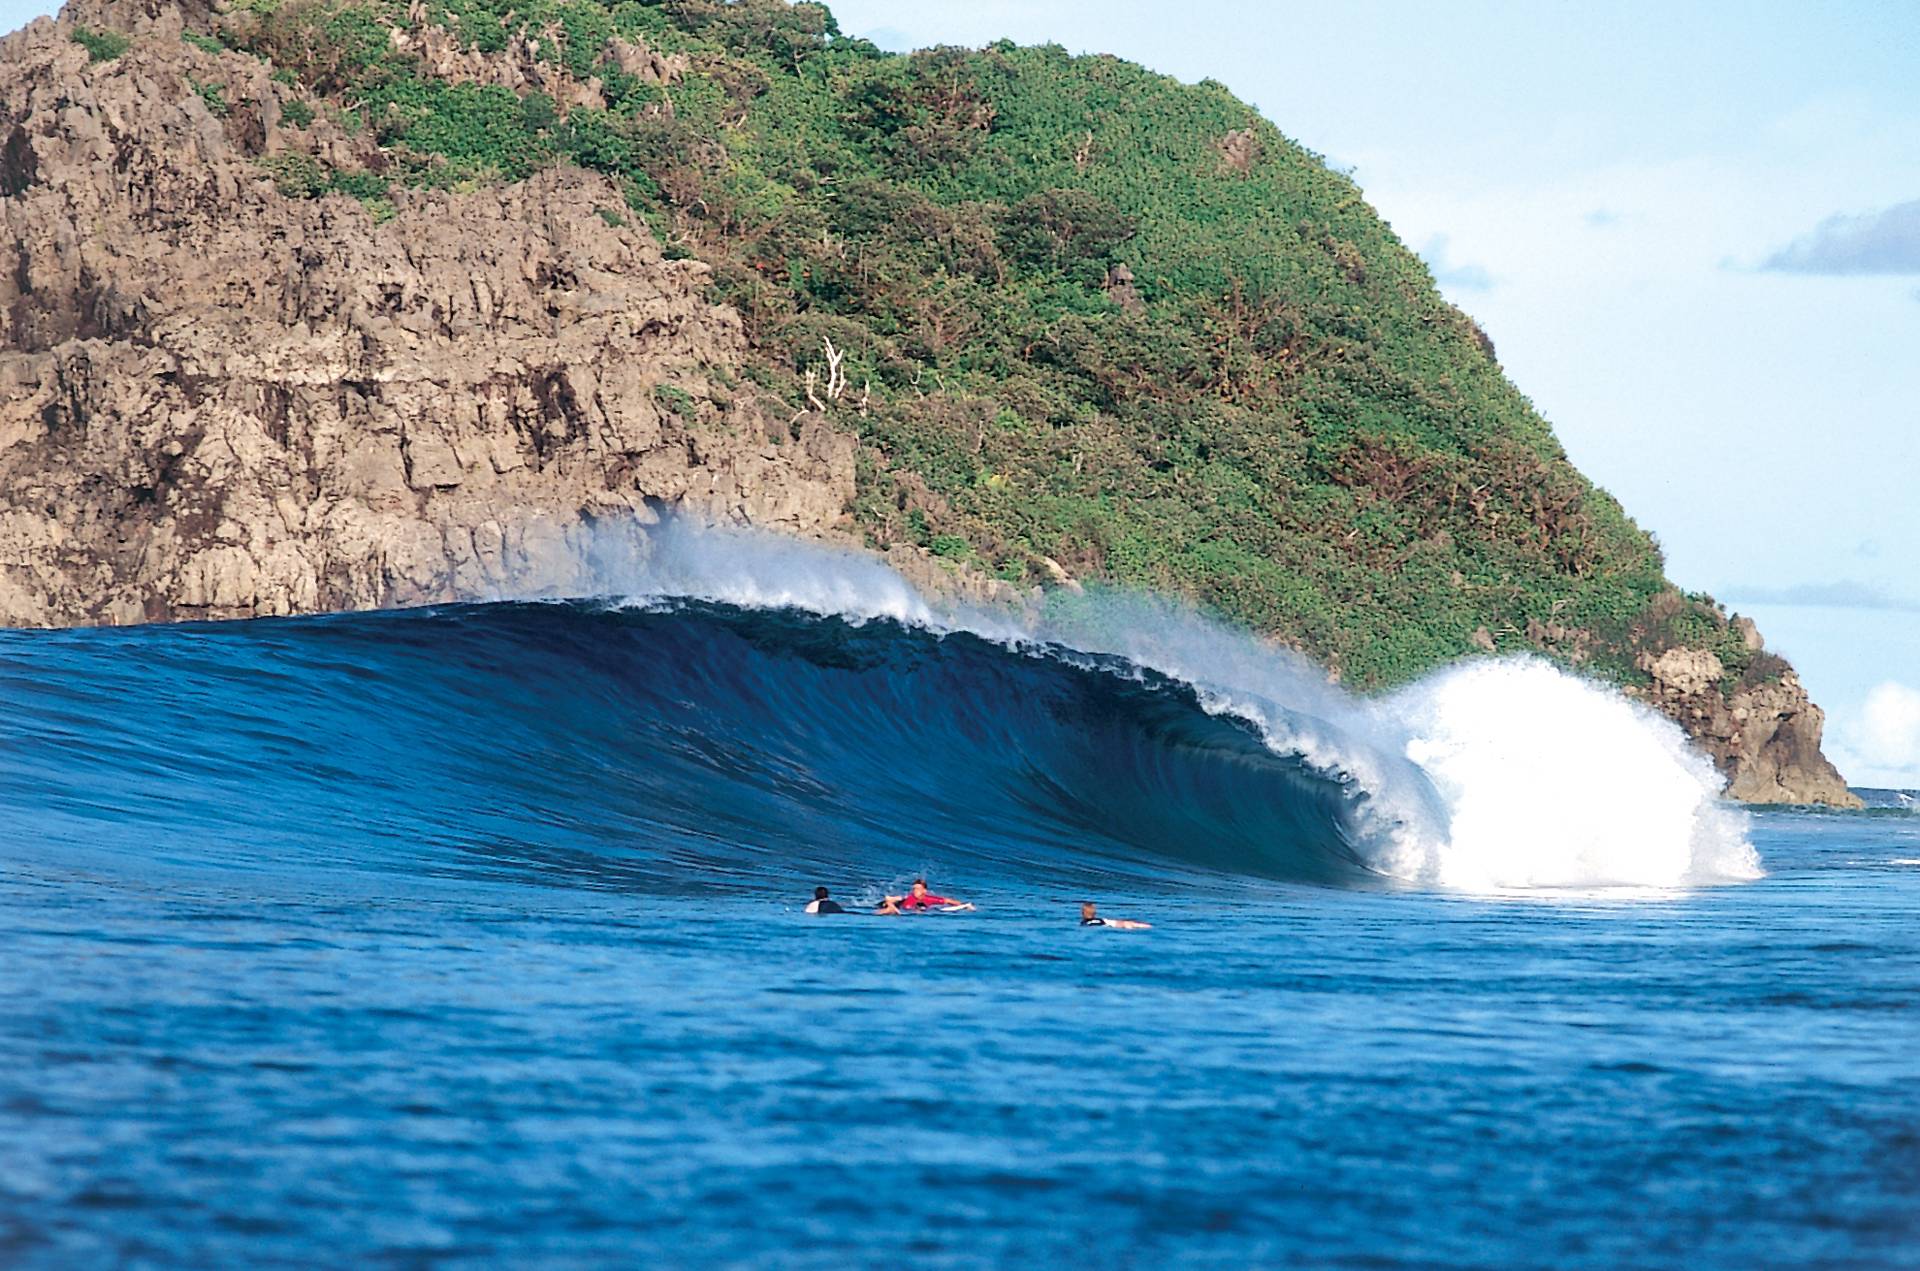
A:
1090, 917
821, 905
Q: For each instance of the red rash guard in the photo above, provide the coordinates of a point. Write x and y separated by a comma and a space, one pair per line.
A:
927, 901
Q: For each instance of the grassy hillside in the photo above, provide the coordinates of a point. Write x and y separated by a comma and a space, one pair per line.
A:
1088, 316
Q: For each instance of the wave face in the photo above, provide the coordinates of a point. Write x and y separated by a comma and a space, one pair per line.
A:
751, 713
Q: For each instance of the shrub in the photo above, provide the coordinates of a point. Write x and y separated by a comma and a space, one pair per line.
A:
101, 46
296, 176
597, 140
329, 47
951, 546
1056, 228
676, 399
296, 113
301, 176
480, 129
364, 186
215, 96
626, 93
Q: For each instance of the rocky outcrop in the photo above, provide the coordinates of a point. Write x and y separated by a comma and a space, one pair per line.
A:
1765, 737
218, 401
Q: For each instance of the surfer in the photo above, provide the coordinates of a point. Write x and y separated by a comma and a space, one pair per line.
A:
920, 900
822, 905
1090, 917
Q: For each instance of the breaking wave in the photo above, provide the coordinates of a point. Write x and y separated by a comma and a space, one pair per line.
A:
748, 712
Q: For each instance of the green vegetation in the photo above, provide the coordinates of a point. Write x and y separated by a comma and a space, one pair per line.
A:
676, 399
296, 114
951, 546
1091, 318
101, 46
299, 176
205, 43
214, 95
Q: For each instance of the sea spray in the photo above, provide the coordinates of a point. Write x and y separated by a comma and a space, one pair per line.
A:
758, 570
1487, 776
1552, 781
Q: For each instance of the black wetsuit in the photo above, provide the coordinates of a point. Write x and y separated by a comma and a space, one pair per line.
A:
1093, 922
827, 907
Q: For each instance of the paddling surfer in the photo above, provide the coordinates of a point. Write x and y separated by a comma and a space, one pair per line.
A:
1090, 917
920, 900
822, 904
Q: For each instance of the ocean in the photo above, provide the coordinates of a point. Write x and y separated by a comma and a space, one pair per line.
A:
474, 936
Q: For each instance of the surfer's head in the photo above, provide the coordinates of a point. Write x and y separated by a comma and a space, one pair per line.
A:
919, 886
819, 893
1086, 910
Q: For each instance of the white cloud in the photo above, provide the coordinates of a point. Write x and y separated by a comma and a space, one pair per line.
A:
1880, 744
1891, 723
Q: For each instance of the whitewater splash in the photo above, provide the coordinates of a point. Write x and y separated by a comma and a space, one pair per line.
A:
1490, 776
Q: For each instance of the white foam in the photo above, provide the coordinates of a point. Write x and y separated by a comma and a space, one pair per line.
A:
1492, 776
758, 570
1554, 782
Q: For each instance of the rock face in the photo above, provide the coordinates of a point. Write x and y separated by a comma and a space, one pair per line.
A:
216, 401
1764, 737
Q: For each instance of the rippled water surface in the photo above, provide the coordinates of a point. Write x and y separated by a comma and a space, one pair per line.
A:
296, 971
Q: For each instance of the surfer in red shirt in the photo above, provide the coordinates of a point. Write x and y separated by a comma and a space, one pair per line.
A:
920, 900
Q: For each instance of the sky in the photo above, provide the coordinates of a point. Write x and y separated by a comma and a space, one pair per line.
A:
1693, 232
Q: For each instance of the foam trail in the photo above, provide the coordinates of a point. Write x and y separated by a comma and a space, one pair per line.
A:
1489, 776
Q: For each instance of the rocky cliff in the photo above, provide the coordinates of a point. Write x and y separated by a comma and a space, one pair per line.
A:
219, 401
1764, 736
239, 375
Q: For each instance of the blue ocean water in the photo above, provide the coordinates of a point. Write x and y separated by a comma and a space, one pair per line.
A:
473, 937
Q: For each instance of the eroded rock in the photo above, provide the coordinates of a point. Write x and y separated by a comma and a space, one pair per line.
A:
217, 401
1764, 737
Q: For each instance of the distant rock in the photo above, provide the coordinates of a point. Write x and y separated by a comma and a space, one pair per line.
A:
1765, 737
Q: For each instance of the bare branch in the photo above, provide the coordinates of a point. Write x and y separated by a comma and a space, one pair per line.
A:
836, 376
